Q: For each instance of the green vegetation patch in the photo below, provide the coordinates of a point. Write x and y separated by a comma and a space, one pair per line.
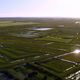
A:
55, 39
57, 65
72, 57
14, 23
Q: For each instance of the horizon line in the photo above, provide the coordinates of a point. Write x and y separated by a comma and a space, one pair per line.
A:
38, 17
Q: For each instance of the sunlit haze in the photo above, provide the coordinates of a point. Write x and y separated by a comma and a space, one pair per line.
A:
40, 8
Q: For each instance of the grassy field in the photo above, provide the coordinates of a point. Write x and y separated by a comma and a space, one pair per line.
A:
14, 23
73, 57
21, 43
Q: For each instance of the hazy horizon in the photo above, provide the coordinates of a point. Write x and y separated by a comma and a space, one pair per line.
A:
40, 8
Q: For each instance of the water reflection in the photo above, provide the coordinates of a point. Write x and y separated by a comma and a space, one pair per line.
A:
77, 51
42, 29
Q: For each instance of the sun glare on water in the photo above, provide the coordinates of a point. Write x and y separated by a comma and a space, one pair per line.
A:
77, 51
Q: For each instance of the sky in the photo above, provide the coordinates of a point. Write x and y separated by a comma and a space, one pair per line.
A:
40, 8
